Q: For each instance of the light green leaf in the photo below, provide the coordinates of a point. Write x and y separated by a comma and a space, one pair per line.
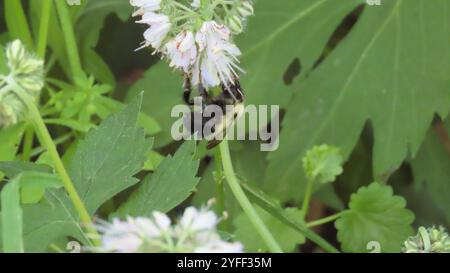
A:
391, 69
287, 237
11, 217
153, 161
323, 163
34, 184
431, 168
376, 215
107, 159
172, 183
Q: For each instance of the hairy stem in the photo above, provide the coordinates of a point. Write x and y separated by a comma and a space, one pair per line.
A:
220, 192
243, 200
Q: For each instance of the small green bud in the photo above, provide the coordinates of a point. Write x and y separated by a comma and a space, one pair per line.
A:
11, 110
15, 52
246, 9
235, 24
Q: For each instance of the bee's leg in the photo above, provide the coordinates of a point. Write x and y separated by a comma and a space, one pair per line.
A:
213, 143
205, 96
187, 90
239, 91
203, 92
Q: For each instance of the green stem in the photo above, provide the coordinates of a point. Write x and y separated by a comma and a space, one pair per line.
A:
327, 219
243, 200
43, 28
47, 142
17, 22
307, 197
69, 37
220, 191
28, 143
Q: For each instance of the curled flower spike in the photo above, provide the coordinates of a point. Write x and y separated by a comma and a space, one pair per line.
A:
26, 71
430, 240
195, 232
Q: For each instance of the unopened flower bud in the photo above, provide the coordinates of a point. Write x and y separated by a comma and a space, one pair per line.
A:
235, 24
15, 52
246, 9
11, 110
26, 71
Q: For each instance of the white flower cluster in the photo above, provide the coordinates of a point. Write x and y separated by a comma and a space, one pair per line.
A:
26, 71
196, 36
194, 233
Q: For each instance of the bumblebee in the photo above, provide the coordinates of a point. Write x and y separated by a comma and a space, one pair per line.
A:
231, 103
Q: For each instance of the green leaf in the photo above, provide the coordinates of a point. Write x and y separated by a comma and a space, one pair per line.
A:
287, 237
34, 184
9, 141
103, 165
277, 35
89, 25
163, 90
376, 215
14, 168
323, 163
11, 217
153, 161
431, 167
172, 183
52, 219
108, 158
391, 69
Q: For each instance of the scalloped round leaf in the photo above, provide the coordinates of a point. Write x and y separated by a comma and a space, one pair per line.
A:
376, 215
287, 237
